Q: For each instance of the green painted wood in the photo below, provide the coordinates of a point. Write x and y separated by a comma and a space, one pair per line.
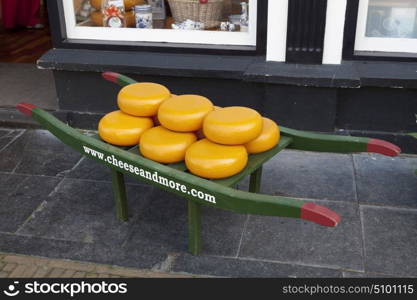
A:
194, 227
310, 141
194, 188
254, 162
119, 79
180, 166
119, 192
255, 181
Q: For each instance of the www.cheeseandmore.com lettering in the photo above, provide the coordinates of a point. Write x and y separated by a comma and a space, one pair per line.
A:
152, 176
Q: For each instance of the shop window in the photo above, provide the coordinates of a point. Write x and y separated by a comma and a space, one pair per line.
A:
219, 22
387, 26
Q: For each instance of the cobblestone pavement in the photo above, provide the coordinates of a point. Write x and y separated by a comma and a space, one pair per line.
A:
22, 266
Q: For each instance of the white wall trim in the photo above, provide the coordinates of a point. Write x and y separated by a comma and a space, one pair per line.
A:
334, 32
277, 30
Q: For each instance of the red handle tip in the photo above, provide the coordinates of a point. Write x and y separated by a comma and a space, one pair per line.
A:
110, 76
26, 108
383, 147
319, 215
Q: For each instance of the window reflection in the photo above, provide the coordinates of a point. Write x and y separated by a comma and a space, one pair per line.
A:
392, 19
213, 15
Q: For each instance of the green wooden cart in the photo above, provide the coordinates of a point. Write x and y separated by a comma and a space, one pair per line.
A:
198, 191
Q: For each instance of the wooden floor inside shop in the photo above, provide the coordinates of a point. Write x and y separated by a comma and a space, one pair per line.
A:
23, 45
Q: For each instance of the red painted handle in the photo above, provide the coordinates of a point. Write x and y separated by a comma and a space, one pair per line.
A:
383, 147
111, 76
26, 108
319, 214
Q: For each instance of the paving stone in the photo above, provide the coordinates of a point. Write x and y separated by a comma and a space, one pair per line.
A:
163, 223
25, 260
92, 170
20, 196
10, 182
4, 132
367, 275
4, 274
72, 265
84, 211
79, 275
27, 245
296, 241
41, 272
29, 271
104, 252
18, 272
390, 240
386, 181
308, 175
38, 152
8, 135
9, 267
56, 272
232, 267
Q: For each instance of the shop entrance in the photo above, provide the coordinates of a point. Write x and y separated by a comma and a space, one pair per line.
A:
27, 36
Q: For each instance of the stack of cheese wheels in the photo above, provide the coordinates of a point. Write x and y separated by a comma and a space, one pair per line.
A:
97, 16
213, 141
138, 105
231, 133
180, 117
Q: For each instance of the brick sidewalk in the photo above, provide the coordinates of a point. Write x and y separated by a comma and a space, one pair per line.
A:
21, 266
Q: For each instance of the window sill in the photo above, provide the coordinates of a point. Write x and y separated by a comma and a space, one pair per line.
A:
350, 74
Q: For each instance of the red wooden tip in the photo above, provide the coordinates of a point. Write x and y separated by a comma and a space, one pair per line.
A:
111, 76
26, 108
383, 147
319, 214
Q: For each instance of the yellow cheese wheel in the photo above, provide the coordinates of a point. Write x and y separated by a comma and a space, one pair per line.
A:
233, 125
184, 113
97, 18
142, 99
165, 146
268, 138
199, 133
129, 4
210, 160
118, 128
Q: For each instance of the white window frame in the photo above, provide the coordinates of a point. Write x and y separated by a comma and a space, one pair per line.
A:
363, 43
161, 35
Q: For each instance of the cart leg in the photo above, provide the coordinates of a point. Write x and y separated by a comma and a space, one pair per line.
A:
255, 181
119, 192
194, 227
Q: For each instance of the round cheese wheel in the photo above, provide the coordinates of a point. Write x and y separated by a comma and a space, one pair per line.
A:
97, 18
233, 125
142, 99
118, 128
165, 146
268, 138
199, 133
129, 4
210, 160
184, 113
